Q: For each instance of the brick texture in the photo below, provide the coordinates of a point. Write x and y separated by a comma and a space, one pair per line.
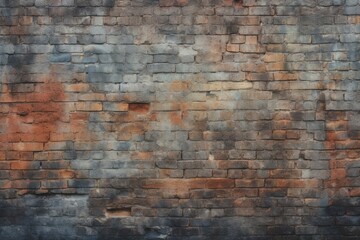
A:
179, 119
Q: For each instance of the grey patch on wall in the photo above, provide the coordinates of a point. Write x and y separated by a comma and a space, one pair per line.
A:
32, 217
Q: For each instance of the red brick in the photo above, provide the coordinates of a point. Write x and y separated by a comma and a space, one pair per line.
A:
279, 134
79, 116
27, 146
189, 183
58, 137
139, 107
249, 183
89, 106
78, 87
355, 192
220, 183
182, 3
292, 183
2, 155
292, 134
25, 165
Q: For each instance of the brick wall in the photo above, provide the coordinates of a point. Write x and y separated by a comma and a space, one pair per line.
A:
179, 119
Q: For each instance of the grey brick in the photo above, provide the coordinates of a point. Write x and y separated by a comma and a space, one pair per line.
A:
352, 10
60, 57
3, 59
101, 49
123, 39
161, 67
69, 48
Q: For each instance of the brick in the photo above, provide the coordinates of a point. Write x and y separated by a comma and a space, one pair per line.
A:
117, 107
274, 57
252, 48
291, 183
232, 48
253, 183
27, 146
25, 184
25, 165
89, 106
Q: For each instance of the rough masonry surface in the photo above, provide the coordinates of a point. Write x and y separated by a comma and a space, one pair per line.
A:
179, 119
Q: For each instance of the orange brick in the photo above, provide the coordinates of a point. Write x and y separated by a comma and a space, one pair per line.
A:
124, 136
88, 106
233, 47
29, 137
354, 19
24, 165
139, 107
178, 86
92, 97
78, 87
79, 116
251, 40
142, 156
292, 183
276, 66
27, 146
355, 192
57, 137
274, 57
2, 155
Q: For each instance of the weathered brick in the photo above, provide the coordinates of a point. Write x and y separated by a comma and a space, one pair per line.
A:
89, 106
201, 116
